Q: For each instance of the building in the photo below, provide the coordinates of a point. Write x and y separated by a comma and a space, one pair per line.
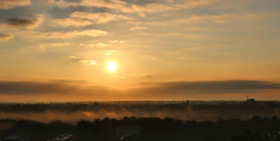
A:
64, 137
16, 138
250, 100
123, 131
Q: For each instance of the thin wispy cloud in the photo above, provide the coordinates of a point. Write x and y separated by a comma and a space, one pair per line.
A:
87, 62
44, 46
83, 61
149, 8
99, 18
112, 4
68, 22
116, 41
10, 4
63, 4
138, 28
71, 34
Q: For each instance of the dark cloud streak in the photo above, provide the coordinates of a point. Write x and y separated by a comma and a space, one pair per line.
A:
22, 22
154, 89
32, 87
206, 87
227, 85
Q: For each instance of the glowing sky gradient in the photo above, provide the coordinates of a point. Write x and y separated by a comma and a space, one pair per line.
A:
57, 50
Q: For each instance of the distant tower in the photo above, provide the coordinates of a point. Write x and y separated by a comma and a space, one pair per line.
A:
187, 102
250, 100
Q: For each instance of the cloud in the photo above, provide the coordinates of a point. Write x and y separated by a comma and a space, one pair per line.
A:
138, 28
142, 7
99, 18
210, 87
31, 87
62, 3
5, 37
194, 3
101, 45
21, 22
111, 4
193, 23
98, 45
148, 75
83, 61
116, 41
67, 22
157, 7
168, 89
72, 57
224, 18
28, 23
109, 51
71, 34
148, 8
87, 62
54, 90
219, 19
43, 46
10, 4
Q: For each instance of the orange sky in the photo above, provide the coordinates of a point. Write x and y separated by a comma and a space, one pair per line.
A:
57, 50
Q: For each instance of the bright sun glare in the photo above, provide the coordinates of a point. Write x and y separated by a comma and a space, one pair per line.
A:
111, 66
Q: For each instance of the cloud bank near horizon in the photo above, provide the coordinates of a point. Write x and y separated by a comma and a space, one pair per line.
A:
68, 89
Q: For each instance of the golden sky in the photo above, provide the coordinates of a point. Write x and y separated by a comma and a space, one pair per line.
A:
58, 50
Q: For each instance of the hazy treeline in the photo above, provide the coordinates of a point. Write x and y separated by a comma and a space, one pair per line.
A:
199, 111
152, 129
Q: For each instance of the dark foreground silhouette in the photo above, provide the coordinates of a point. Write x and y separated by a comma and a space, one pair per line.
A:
144, 129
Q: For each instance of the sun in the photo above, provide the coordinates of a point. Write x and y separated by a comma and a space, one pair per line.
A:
111, 66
